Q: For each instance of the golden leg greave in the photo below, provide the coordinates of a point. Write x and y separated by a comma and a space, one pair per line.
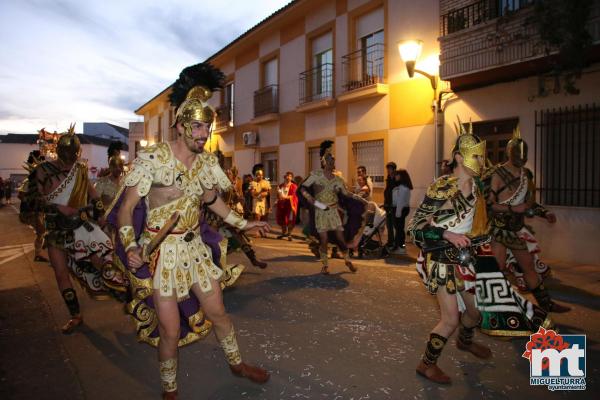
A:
168, 374
323, 255
231, 349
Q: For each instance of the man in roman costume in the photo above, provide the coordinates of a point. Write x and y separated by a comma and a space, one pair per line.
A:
453, 210
511, 198
176, 179
27, 212
260, 189
326, 186
73, 238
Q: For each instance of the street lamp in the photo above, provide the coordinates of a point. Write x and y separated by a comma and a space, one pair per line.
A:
410, 50
143, 143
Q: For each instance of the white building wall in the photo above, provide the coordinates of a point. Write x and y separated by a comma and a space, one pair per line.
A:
14, 155
291, 64
268, 134
292, 157
369, 115
246, 83
320, 124
245, 160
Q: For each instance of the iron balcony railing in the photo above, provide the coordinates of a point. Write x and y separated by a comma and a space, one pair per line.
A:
266, 100
363, 67
224, 118
477, 13
316, 83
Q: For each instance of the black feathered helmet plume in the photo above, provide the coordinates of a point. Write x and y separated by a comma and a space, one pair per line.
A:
191, 92
114, 148
326, 147
256, 168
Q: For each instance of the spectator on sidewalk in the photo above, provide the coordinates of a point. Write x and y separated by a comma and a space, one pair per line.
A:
8, 190
387, 203
401, 202
361, 172
287, 206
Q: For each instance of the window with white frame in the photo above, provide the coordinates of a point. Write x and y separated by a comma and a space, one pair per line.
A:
370, 154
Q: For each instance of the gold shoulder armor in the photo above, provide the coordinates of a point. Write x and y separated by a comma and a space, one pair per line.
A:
158, 154
443, 188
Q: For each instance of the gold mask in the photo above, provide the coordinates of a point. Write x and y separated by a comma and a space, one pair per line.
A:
469, 148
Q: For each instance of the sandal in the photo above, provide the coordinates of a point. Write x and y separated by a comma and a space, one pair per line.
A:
71, 324
325, 270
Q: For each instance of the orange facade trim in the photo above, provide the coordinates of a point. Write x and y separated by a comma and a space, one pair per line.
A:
246, 57
341, 7
292, 31
341, 119
291, 127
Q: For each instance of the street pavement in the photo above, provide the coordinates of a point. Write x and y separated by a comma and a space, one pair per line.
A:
345, 336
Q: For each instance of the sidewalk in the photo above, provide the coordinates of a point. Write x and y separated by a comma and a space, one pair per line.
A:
34, 362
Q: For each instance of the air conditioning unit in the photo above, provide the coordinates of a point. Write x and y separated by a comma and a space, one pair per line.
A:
250, 138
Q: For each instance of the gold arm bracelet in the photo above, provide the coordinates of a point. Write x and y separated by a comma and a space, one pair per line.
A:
127, 237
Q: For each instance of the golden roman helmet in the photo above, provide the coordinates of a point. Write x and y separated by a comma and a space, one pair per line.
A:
469, 146
191, 93
68, 147
517, 148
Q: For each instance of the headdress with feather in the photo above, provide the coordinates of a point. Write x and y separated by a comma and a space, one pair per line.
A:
191, 91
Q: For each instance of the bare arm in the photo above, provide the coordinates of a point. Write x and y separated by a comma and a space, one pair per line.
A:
125, 222
219, 207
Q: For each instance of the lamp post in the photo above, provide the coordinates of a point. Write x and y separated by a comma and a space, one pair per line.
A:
410, 50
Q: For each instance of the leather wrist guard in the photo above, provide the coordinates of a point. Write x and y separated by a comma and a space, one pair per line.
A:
235, 220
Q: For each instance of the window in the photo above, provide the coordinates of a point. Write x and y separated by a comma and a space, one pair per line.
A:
314, 159
508, 6
323, 82
370, 154
372, 54
270, 72
228, 102
496, 134
269, 160
567, 149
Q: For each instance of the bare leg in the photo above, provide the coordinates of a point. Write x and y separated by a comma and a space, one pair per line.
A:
169, 330
339, 235
469, 321
525, 260
323, 252
539, 291
212, 305
58, 260
449, 317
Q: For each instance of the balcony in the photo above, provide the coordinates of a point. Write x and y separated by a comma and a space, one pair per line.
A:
363, 73
492, 41
316, 88
266, 104
224, 119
